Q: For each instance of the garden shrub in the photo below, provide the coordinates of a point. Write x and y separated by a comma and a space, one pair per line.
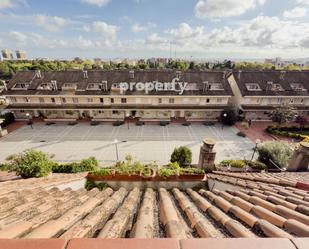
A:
256, 165
226, 163
4, 167
165, 172
89, 164
238, 164
241, 134
31, 163
278, 152
182, 155
8, 119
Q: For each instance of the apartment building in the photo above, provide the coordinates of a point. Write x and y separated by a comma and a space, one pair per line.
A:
257, 93
115, 94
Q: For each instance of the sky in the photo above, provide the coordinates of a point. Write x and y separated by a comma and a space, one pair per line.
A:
189, 29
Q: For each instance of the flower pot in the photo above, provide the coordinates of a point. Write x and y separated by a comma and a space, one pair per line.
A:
191, 177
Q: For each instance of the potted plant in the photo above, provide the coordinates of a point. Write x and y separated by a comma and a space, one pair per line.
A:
191, 174
167, 174
101, 174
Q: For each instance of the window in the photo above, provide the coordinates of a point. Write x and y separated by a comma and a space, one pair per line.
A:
112, 100
115, 112
63, 100
21, 86
253, 87
89, 100
207, 100
69, 86
75, 100
215, 86
41, 100
53, 100
291, 100
301, 101
298, 87
123, 100
171, 101
160, 100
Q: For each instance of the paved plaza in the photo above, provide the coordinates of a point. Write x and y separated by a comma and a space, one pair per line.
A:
145, 143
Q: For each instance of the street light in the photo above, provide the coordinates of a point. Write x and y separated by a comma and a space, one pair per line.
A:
116, 146
257, 142
224, 116
29, 121
127, 116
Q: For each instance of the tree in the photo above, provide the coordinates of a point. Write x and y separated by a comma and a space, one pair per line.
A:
182, 155
228, 117
283, 114
31, 163
274, 151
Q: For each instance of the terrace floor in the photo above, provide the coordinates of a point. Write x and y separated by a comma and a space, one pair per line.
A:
145, 143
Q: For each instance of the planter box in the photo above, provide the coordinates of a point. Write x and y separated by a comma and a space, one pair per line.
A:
190, 177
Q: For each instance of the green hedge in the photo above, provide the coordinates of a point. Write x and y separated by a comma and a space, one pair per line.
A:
288, 131
8, 119
242, 163
89, 164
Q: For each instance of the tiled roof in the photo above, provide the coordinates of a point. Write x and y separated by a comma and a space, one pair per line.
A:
284, 78
116, 76
259, 209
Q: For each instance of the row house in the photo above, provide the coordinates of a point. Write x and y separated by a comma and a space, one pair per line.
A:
257, 93
105, 95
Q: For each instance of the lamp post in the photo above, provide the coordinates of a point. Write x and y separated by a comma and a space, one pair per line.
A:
257, 142
29, 121
224, 116
127, 117
116, 147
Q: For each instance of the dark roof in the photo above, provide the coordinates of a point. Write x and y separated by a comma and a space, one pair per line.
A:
284, 78
116, 76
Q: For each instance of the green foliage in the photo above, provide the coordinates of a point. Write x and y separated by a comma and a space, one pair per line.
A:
242, 163
31, 163
289, 131
4, 167
191, 171
278, 152
283, 114
91, 184
182, 155
8, 119
241, 134
89, 164
166, 172
103, 172
228, 117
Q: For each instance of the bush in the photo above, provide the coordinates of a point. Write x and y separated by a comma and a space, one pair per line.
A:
4, 167
226, 163
208, 123
31, 163
8, 119
241, 134
91, 184
164, 123
90, 164
256, 165
228, 117
182, 155
103, 172
167, 172
238, 164
192, 171
140, 123
278, 152
118, 123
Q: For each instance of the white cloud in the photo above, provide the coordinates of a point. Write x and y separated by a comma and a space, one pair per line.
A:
99, 3
184, 30
109, 32
156, 39
51, 23
224, 8
297, 12
305, 2
18, 37
4, 4
136, 28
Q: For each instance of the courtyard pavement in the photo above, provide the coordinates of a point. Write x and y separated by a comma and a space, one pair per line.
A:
145, 143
